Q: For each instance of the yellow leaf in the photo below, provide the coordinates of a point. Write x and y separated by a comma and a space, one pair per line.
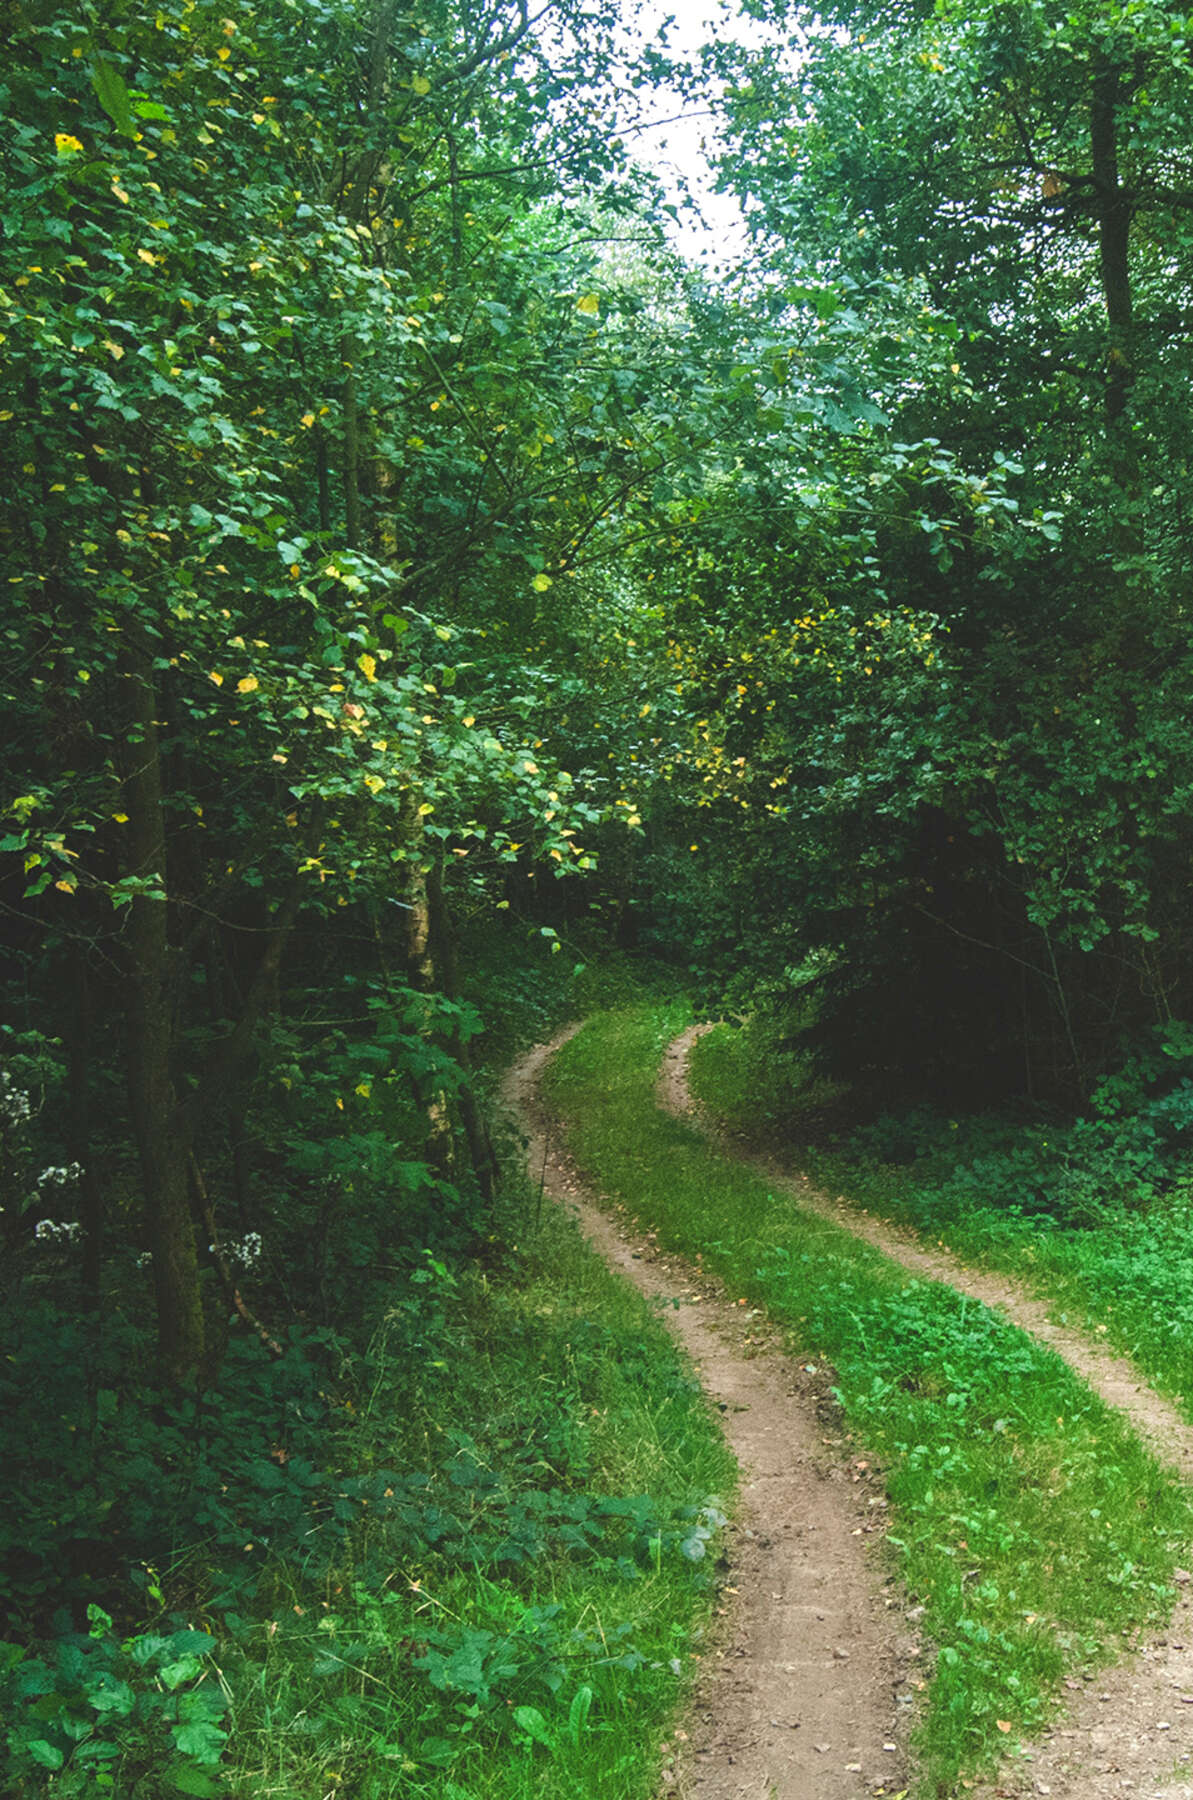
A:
65, 887
214, 675
589, 303
147, 256
307, 420
374, 783
339, 1105
364, 1089
120, 818
66, 145
120, 193
541, 583
368, 666
469, 720
248, 684
1003, 1724
421, 85
424, 809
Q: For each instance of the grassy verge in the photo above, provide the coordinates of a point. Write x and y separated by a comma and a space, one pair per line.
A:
1027, 1519
1000, 1196
520, 1612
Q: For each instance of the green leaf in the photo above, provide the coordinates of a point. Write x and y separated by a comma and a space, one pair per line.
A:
191, 1643
112, 95
188, 1780
534, 1725
47, 1755
111, 1696
184, 1669
578, 1712
200, 1739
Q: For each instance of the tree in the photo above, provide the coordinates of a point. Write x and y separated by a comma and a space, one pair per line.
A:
291, 309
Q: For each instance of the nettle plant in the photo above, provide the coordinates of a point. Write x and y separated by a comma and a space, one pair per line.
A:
99, 1713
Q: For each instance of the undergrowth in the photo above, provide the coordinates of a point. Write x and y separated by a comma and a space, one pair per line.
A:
521, 1610
1026, 1518
449, 1542
1094, 1214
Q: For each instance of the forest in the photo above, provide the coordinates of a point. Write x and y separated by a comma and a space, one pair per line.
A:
440, 605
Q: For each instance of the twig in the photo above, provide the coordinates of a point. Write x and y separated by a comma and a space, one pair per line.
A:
223, 1265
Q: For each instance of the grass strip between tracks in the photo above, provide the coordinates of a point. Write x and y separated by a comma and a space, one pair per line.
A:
979, 1187
1026, 1518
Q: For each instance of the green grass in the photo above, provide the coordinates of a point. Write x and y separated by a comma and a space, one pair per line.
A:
1026, 1517
541, 1644
1124, 1273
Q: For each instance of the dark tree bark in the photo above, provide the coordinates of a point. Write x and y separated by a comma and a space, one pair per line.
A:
163, 1141
1114, 211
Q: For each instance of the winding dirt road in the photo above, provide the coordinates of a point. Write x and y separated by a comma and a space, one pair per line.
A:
808, 1690
804, 1692
1129, 1731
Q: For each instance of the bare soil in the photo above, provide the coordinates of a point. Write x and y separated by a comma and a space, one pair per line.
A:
1127, 1730
806, 1688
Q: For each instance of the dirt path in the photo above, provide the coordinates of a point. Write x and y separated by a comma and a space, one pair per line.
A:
804, 1692
1130, 1729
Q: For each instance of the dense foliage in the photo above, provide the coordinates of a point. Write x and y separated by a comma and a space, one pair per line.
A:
412, 564
945, 777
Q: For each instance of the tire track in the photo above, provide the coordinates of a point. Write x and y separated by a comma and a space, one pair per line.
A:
1129, 1730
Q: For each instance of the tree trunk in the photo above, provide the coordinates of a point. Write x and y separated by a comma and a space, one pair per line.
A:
420, 961
480, 1149
323, 478
351, 449
80, 1036
1114, 213
162, 1140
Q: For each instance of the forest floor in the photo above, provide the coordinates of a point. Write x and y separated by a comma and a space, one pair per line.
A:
808, 1692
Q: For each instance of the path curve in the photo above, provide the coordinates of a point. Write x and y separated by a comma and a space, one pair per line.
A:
803, 1692
1130, 1730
